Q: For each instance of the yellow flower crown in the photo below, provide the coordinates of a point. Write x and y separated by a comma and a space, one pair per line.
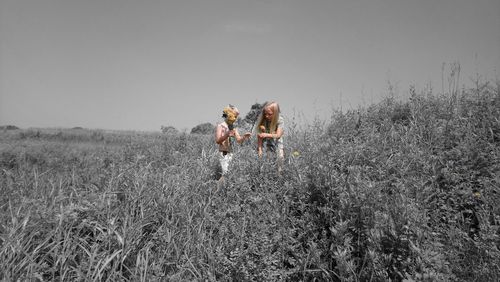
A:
230, 115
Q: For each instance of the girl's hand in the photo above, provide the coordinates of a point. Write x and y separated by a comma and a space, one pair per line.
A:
264, 135
247, 135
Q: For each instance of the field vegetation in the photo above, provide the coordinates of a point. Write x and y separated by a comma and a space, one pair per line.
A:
401, 190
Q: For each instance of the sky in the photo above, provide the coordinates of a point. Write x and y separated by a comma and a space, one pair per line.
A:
138, 65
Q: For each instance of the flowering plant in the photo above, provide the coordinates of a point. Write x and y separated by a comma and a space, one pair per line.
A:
230, 115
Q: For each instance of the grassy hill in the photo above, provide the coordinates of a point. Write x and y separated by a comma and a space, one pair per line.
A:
399, 190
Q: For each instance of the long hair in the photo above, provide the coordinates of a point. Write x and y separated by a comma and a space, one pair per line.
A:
261, 121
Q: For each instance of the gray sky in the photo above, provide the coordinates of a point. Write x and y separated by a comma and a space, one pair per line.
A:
127, 64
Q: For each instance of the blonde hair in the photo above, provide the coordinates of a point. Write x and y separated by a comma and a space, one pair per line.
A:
273, 126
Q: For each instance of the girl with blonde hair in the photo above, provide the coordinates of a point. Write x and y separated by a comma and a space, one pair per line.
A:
225, 135
270, 129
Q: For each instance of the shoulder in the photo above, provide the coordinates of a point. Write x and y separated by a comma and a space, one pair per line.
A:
281, 121
221, 127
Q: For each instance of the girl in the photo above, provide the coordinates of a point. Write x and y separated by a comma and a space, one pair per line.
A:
270, 128
226, 134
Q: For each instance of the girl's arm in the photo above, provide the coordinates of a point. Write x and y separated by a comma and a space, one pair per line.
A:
219, 135
276, 135
279, 132
240, 138
259, 146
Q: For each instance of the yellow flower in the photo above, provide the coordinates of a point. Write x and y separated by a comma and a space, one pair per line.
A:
477, 194
296, 153
231, 116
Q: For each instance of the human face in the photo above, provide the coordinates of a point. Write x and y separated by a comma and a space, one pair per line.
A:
268, 113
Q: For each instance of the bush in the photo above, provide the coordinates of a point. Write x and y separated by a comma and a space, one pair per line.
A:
169, 130
8, 127
204, 128
393, 192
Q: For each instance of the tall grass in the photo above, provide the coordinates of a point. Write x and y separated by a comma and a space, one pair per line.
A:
399, 190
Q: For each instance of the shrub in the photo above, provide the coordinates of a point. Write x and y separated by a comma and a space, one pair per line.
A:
204, 128
368, 195
8, 127
169, 130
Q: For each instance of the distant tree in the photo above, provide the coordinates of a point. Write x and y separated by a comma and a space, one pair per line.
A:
204, 128
169, 130
254, 112
9, 127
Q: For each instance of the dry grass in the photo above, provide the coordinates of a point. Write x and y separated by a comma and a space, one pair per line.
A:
398, 190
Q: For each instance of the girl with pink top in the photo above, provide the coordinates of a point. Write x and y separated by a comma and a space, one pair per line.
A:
226, 134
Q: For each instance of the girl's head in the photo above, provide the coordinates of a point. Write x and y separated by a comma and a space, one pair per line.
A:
270, 111
230, 114
269, 116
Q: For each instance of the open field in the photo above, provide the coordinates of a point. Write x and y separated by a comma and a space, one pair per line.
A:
397, 190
